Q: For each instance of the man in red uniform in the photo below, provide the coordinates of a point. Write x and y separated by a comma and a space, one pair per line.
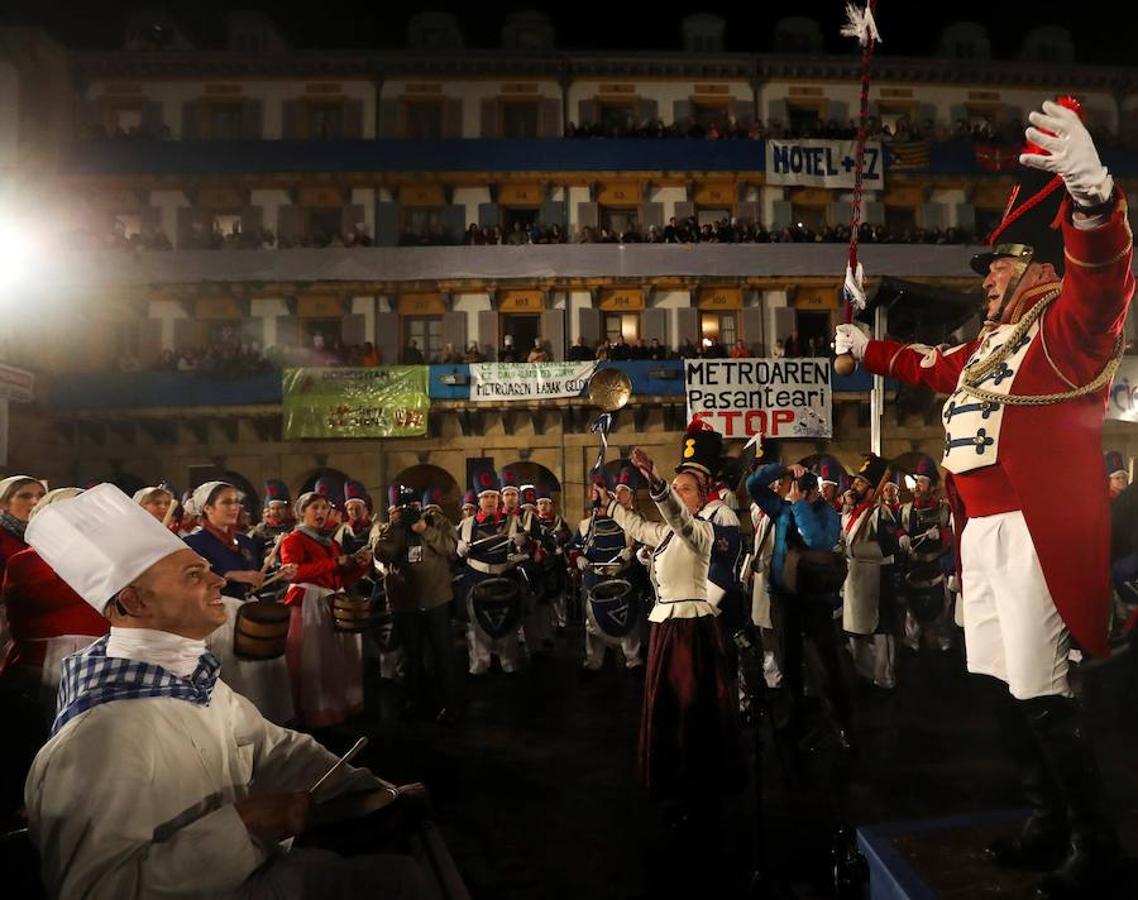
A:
1024, 397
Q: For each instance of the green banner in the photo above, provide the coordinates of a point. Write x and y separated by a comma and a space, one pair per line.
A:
348, 403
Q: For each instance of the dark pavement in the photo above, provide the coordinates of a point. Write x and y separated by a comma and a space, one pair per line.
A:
536, 794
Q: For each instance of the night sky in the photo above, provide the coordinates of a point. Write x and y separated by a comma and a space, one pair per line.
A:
909, 27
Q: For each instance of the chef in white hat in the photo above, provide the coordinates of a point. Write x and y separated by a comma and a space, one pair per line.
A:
158, 780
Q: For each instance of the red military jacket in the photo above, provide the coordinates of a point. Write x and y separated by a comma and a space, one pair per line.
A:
10, 545
1077, 336
40, 605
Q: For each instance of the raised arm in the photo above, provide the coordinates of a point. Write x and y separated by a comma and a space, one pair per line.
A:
636, 526
698, 534
759, 488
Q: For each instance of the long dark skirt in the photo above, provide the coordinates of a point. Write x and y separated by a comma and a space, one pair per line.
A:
689, 730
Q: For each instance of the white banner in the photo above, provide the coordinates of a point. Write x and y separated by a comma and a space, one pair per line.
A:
828, 164
498, 382
779, 398
17, 384
1122, 403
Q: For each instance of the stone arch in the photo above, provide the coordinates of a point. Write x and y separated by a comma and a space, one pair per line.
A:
421, 477
310, 480
535, 474
250, 499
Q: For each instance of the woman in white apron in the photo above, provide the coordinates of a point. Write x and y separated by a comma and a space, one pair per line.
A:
325, 666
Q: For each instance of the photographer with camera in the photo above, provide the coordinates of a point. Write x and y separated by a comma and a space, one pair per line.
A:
416, 550
805, 575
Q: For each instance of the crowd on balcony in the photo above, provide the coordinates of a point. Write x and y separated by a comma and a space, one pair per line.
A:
99, 131
735, 231
518, 234
231, 356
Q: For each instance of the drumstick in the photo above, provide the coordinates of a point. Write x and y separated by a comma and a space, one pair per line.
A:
272, 578
272, 557
342, 761
170, 510
493, 537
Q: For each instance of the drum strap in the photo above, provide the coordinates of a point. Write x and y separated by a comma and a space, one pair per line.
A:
489, 568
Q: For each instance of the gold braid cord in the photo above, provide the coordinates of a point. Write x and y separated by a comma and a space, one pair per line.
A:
976, 372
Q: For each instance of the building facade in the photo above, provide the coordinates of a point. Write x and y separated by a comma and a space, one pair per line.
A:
284, 201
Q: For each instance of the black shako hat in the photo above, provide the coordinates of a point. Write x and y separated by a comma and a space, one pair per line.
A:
701, 450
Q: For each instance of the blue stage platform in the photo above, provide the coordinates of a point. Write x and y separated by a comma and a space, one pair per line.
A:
940, 858
943, 859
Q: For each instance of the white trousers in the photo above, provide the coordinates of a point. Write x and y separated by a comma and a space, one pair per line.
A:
596, 642
1012, 630
874, 657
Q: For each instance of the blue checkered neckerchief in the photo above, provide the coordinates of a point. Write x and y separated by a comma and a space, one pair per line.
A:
90, 677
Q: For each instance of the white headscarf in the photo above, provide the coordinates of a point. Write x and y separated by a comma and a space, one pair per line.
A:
200, 496
63, 493
7, 485
144, 495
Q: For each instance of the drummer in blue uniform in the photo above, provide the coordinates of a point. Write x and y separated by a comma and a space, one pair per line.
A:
355, 532
538, 628
926, 520
488, 544
556, 536
608, 565
277, 519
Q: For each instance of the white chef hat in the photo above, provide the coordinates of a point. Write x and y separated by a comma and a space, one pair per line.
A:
99, 542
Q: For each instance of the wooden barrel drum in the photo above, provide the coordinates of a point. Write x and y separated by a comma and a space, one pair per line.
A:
261, 630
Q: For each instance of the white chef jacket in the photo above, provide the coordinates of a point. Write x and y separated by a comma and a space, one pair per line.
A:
134, 798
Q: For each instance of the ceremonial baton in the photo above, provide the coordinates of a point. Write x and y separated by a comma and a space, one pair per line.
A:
860, 25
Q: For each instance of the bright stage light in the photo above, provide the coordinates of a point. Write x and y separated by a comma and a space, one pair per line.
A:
21, 253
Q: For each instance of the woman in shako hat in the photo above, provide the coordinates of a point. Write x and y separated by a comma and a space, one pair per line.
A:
689, 737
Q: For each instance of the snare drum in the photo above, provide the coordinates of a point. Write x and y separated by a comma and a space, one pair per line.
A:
924, 591
496, 605
613, 607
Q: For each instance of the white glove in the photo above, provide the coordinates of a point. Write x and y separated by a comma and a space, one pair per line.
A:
850, 339
855, 286
582, 563
521, 540
644, 556
1072, 154
462, 549
933, 534
904, 543
626, 554
952, 584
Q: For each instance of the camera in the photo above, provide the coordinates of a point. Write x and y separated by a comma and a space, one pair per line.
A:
808, 482
409, 515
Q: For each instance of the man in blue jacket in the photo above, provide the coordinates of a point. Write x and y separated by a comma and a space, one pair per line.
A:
803, 518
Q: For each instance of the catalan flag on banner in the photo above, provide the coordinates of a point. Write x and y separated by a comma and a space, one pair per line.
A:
992, 158
910, 154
